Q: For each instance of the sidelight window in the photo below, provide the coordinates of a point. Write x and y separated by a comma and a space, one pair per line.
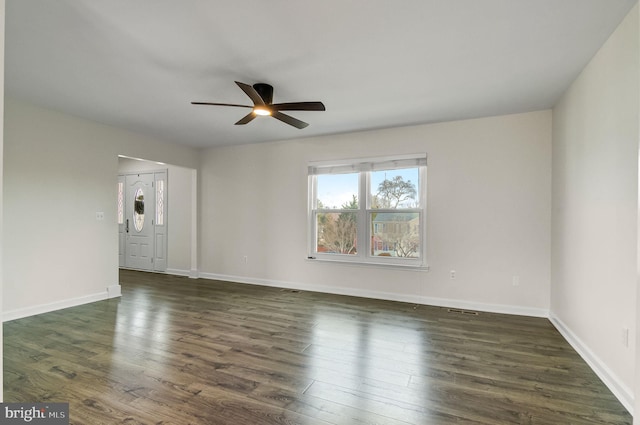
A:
120, 202
160, 202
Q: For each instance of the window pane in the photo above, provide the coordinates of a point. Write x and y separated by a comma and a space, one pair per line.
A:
337, 191
160, 202
395, 188
120, 203
336, 232
138, 210
395, 234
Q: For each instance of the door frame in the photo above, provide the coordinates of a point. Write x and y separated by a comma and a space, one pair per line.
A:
159, 261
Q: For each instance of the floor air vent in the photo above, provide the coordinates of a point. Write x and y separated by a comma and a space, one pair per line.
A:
459, 311
293, 291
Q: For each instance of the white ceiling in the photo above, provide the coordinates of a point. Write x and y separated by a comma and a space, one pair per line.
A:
138, 64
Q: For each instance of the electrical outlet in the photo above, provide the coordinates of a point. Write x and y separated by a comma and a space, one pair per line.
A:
625, 337
515, 281
245, 259
99, 215
452, 274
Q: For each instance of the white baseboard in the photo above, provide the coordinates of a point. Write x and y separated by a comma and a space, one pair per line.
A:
114, 291
615, 385
414, 299
484, 307
20, 313
192, 274
178, 272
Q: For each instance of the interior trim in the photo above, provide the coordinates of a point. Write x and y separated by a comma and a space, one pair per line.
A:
414, 299
617, 387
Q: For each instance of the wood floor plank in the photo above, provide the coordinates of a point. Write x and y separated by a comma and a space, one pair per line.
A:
182, 351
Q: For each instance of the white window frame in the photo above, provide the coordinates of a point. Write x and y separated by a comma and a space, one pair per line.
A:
364, 166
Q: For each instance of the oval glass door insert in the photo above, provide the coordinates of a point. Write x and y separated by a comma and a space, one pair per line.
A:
138, 210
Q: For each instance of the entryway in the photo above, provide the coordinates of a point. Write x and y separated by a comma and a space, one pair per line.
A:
142, 220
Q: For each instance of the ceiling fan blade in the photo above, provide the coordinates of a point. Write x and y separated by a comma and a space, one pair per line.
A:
247, 118
298, 106
252, 93
221, 104
289, 120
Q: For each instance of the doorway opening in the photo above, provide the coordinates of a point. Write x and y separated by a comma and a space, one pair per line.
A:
143, 220
161, 199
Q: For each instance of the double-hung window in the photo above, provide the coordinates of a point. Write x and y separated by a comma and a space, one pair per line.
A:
369, 210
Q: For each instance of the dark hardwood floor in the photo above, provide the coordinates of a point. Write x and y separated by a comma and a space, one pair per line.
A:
174, 350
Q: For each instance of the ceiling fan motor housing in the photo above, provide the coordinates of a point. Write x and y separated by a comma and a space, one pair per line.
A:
265, 91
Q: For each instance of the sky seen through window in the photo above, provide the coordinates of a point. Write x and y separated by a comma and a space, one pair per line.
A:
335, 190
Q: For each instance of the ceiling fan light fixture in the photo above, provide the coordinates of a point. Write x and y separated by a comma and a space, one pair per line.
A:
261, 95
261, 111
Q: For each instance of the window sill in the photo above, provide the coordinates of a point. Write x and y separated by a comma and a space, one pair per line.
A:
395, 266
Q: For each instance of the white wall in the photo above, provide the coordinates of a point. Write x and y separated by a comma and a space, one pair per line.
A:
59, 171
594, 215
489, 194
636, 419
2, 15
179, 214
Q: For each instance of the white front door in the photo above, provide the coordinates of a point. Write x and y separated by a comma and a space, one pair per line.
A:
142, 219
139, 216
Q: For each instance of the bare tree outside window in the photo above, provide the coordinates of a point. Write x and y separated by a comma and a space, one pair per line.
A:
337, 232
395, 234
395, 192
